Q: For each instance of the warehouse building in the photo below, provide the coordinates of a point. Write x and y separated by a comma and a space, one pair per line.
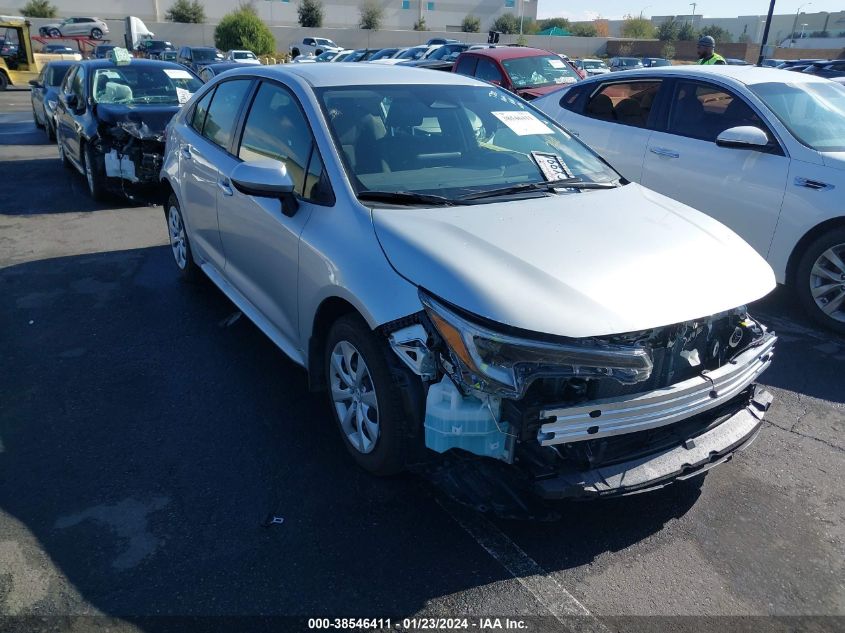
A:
439, 15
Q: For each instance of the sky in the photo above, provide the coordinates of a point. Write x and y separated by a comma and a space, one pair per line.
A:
613, 9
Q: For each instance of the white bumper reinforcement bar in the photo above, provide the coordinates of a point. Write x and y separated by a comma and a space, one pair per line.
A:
638, 412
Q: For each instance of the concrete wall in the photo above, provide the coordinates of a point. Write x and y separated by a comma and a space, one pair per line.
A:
446, 14
686, 51
203, 35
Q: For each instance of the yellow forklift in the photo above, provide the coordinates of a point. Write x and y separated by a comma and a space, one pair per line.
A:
18, 63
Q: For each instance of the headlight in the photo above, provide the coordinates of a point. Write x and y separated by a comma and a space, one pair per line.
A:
502, 364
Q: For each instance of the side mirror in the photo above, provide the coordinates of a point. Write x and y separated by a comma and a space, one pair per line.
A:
34, 83
743, 137
266, 179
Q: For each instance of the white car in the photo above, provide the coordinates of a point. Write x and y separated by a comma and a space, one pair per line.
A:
758, 149
592, 66
243, 57
409, 54
313, 45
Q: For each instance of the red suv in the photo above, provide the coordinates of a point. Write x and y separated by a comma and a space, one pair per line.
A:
528, 72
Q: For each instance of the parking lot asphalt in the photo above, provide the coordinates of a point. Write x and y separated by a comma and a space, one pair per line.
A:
146, 436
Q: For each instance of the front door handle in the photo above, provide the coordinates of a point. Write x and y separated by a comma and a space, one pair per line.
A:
225, 186
186, 152
662, 151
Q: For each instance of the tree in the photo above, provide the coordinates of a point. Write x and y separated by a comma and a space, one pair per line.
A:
310, 13
419, 25
584, 29
471, 24
722, 36
242, 28
668, 30
625, 49
686, 33
189, 11
39, 9
561, 23
602, 27
506, 23
668, 50
371, 15
637, 28
745, 38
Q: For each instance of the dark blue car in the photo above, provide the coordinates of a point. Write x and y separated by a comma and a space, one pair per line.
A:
110, 120
45, 95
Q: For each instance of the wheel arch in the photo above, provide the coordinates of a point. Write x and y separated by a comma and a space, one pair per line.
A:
330, 310
808, 238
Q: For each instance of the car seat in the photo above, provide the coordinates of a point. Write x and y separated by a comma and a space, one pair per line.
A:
629, 112
601, 107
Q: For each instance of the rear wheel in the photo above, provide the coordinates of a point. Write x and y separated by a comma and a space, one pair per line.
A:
35, 118
96, 34
366, 403
4, 81
55, 33
179, 244
62, 156
51, 131
820, 280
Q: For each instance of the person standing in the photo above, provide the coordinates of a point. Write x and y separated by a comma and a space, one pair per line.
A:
707, 54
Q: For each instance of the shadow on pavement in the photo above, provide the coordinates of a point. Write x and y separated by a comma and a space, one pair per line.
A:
808, 359
18, 128
146, 438
49, 187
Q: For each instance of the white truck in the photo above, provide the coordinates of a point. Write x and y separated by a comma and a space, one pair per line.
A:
315, 45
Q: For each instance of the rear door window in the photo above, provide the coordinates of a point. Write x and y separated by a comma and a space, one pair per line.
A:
628, 103
223, 112
466, 65
487, 71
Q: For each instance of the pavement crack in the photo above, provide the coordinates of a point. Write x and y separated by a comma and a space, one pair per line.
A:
809, 437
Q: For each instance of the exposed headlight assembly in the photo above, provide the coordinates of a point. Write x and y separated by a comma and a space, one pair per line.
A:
505, 365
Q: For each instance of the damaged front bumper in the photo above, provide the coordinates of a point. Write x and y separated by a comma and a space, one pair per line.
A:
692, 457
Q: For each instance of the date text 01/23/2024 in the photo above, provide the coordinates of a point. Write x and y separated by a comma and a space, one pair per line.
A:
411, 624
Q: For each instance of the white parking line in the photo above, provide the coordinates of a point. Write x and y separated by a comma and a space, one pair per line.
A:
545, 588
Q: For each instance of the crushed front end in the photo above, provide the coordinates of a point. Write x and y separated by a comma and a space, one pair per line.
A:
133, 155
590, 418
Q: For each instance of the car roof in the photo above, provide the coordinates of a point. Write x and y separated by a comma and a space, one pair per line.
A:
747, 75
510, 52
355, 74
144, 63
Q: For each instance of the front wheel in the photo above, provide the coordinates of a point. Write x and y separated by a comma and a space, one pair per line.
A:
366, 404
55, 33
96, 34
820, 280
4, 81
62, 156
35, 118
94, 173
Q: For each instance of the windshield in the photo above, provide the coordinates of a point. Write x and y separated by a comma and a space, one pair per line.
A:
322, 42
594, 65
541, 70
246, 55
449, 51
384, 54
137, 85
414, 53
629, 61
327, 56
450, 141
355, 56
206, 55
813, 112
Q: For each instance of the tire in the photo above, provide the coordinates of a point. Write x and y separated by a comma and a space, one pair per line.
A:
379, 438
96, 34
51, 131
94, 173
4, 81
54, 33
294, 53
38, 123
180, 245
821, 271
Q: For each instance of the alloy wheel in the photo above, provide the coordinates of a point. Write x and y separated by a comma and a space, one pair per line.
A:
177, 237
354, 397
827, 282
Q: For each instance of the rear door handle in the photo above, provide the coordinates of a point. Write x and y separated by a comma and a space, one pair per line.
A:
225, 186
662, 151
186, 152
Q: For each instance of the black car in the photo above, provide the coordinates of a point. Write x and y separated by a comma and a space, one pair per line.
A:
432, 64
440, 40
654, 62
829, 69
152, 49
58, 49
110, 120
101, 51
45, 94
195, 57
212, 70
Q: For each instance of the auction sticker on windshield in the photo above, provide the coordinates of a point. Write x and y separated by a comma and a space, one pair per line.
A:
183, 95
522, 123
556, 63
177, 73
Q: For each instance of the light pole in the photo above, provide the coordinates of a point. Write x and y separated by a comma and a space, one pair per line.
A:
643, 9
522, 14
795, 23
693, 5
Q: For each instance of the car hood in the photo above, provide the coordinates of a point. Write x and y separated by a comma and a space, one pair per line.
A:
148, 120
582, 264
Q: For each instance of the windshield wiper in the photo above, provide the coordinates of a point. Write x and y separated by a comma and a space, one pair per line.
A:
405, 197
546, 185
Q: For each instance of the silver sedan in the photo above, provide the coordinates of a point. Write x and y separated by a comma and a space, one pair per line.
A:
457, 272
